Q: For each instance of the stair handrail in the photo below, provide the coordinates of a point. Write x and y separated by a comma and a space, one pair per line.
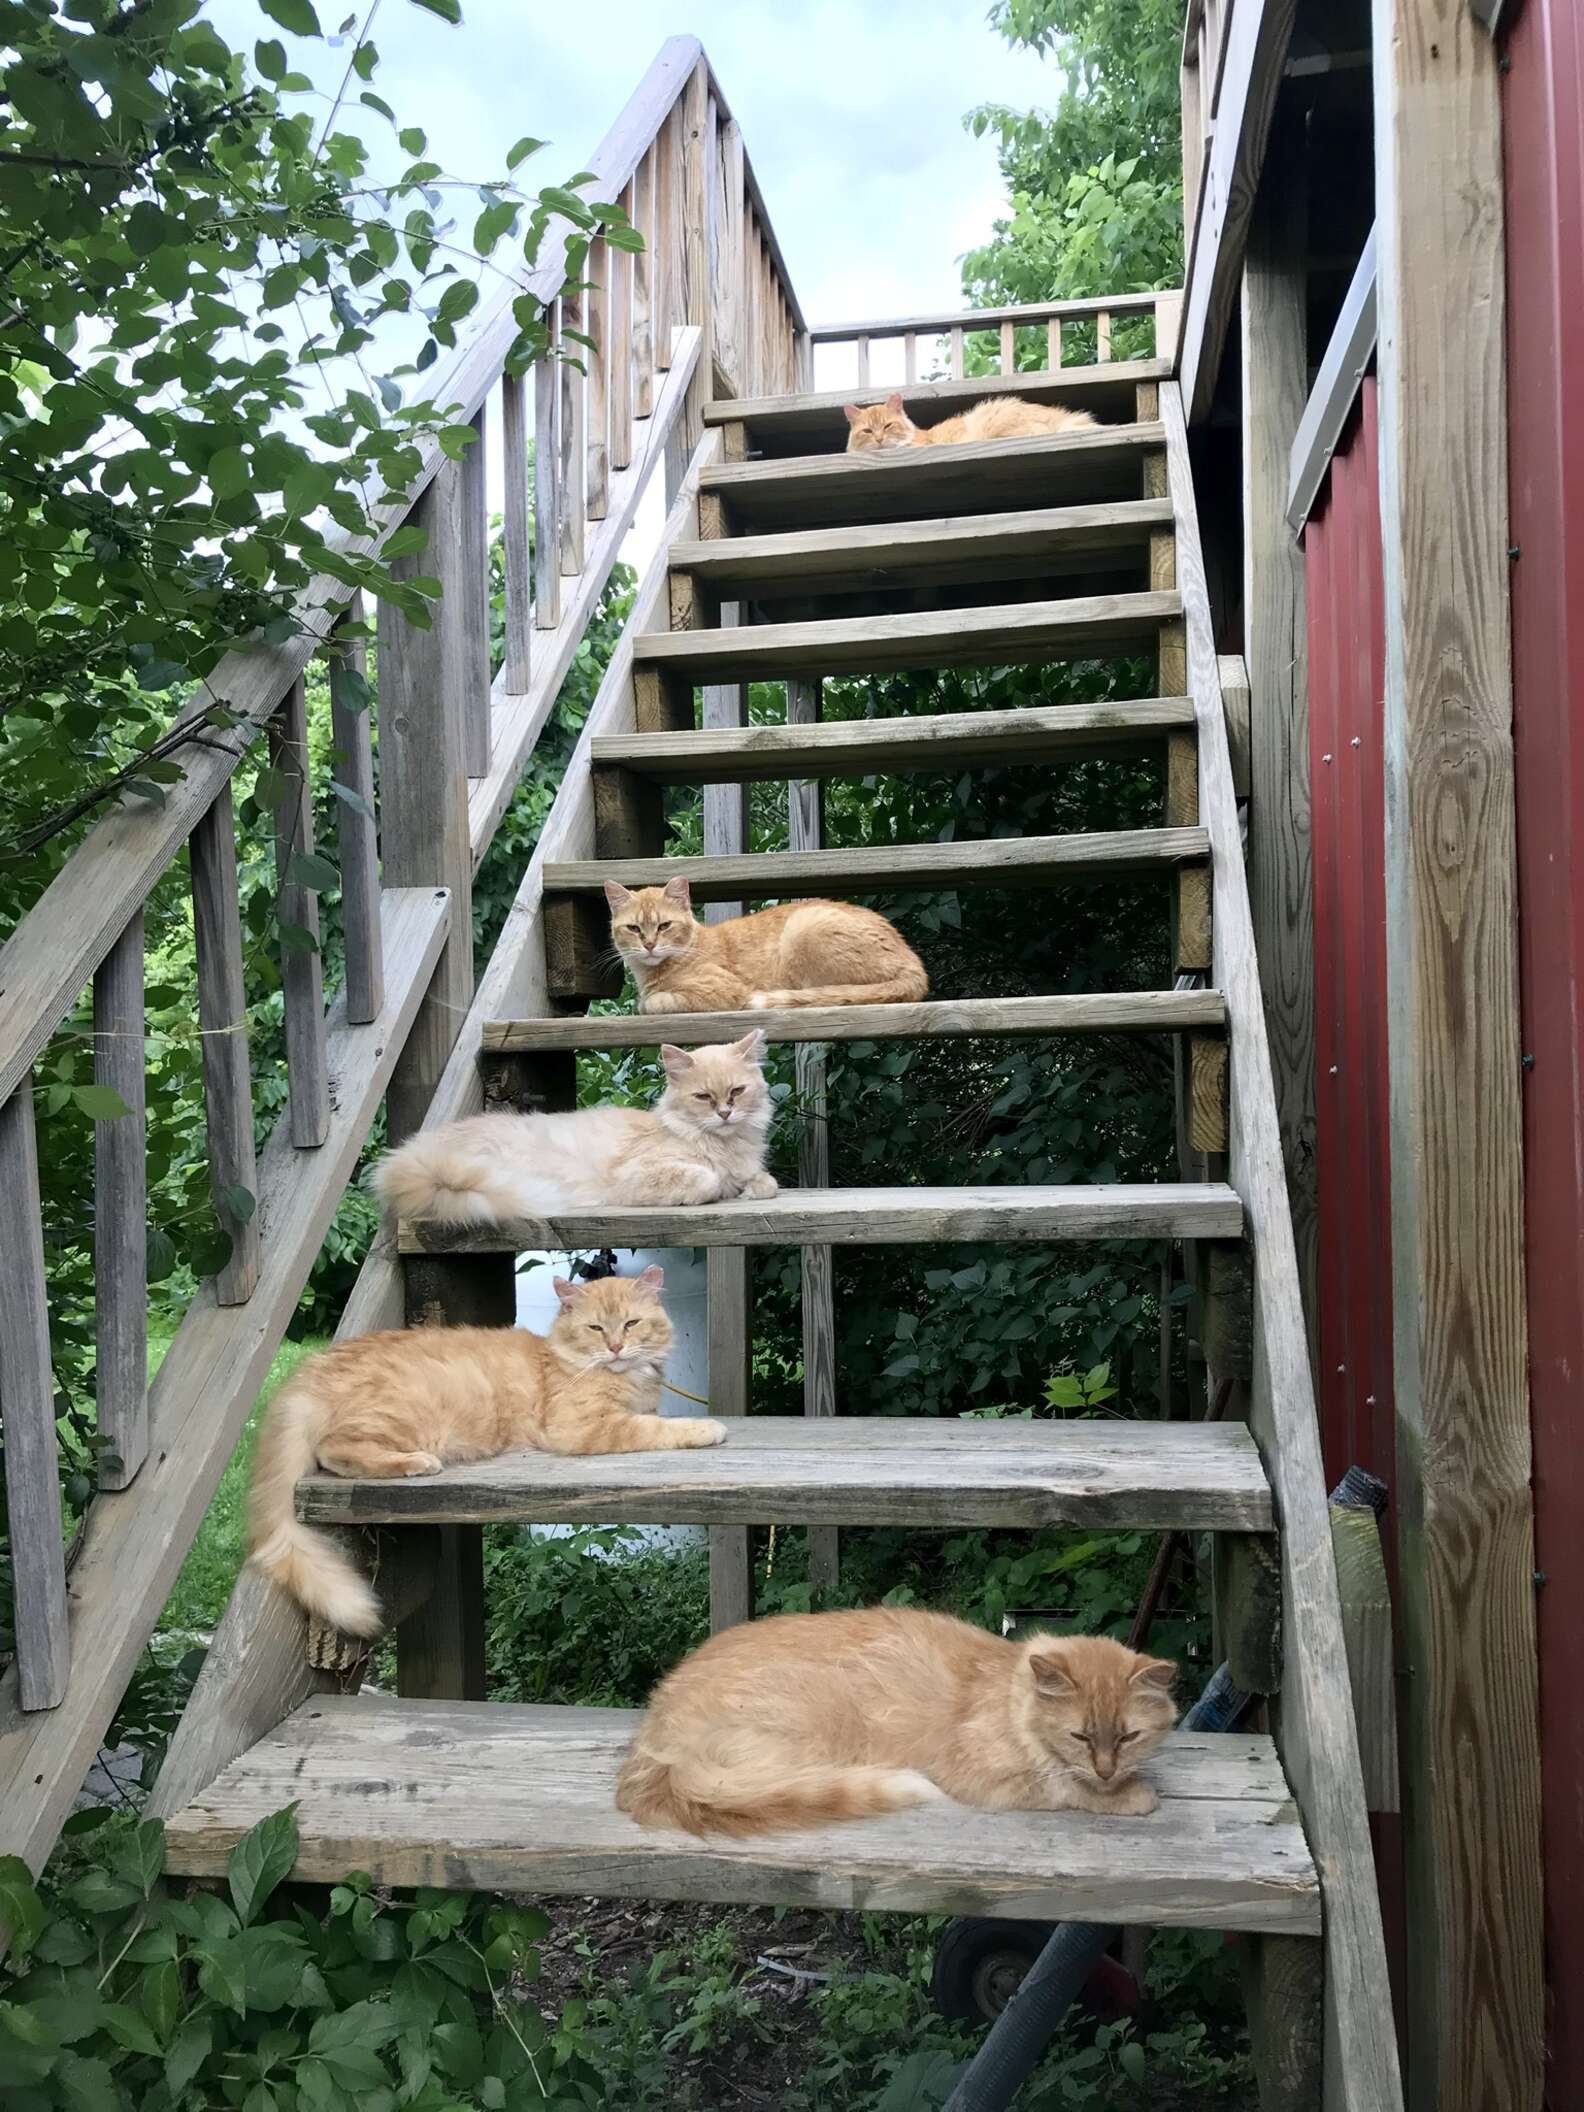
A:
1056, 317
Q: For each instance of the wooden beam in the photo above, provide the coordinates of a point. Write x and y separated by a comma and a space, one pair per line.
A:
222, 1022
1476, 2011
297, 912
121, 1214
1343, 366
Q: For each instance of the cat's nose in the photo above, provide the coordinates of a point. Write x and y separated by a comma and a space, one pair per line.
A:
1105, 1765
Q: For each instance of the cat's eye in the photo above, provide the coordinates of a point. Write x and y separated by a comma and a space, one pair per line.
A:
732, 1095
628, 1326
594, 1328
702, 1096
665, 923
1127, 1737
633, 928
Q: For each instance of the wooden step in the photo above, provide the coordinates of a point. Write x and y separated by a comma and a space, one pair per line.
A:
867, 1217
1121, 1012
850, 1470
1003, 861
497, 1797
1005, 636
869, 558
947, 740
986, 476
796, 425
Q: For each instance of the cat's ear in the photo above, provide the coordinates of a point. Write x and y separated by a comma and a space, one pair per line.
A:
894, 400
751, 1047
653, 1277
1155, 1674
679, 892
565, 1291
1051, 1675
677, 1061
616, 894
852, 413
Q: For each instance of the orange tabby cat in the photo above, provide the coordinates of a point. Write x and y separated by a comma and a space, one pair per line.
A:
887, 425
812, 1716
412, 1401
799, 953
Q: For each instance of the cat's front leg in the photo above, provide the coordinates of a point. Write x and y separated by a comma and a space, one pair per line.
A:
761, 1186
662, 1001
1133, 1799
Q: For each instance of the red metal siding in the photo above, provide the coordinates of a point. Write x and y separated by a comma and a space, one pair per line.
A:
1543, 126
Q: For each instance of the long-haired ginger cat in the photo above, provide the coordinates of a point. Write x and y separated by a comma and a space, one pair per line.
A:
887, 426
704, 1142
799, 953
410, 1402
807, 1717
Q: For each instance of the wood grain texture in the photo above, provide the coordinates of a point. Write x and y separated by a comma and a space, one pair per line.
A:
858, 1470
1319, 1745
1276, 649
643, 219
1130, 1012
597, 328
470, 591
620, 388
199, 1400
516, 425
1081, 309
297, 910
980, 476
27, 1392
1283, 1989
521, 1799
1207, 1093
222, 1021
357, 830
1330, 401
861, 747
1476, 2009
1022, 861
1371, 1649
1235, 701
548, 490
860, 1216
696, 193
121, 1214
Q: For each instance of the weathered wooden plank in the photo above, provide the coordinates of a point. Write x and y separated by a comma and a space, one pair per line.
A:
121, 1215
860, 1216
696, 202
621, 265
975, 477
1126, 1012
1330, 401
27, 1397
572, 469
1319, 1746
222, 1022
357, 833
945, 551
862, 1470
423, 783
668, 309
297, 914
737, 351
643, 219
596, 354
806, 422
470, 597
1009, 348
199, 1400
1371, 1649
517, 666
1019, 861
548, 491
521, 1799
1476, 2000
1078, 310
1235, 702
959, 363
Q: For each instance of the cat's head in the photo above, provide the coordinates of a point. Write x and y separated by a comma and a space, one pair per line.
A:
879, 425
615, 1323
719, 1089
1095, 1706
651, 924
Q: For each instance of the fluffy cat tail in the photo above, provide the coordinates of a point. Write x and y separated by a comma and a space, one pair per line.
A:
704, 1799
305, 1563
907, 987
432, 1175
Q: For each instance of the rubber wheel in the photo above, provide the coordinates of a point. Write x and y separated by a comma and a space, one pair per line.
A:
980, 1965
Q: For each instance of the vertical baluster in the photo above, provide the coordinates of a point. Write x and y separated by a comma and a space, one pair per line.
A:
698, 194
1053, 342
667, 269
570, 474
297, 908
356, 833
27, 1397
1009, 348
547, 482
222, 1022
642, 213
121, 1214
518, 542
755, 377
598, 327
959, 359
1102, 336
472, 666
910, 354
1168, 322
621, 346
863, 362
736, 258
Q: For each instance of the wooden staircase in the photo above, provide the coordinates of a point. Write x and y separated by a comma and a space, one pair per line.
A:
1082, 544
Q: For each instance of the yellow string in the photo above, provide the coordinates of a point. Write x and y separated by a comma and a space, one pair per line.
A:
683, 1392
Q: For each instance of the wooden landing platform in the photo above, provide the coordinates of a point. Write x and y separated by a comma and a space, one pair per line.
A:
849, 1470
497, 1797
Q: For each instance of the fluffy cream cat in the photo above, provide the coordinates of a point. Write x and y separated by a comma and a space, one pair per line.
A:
703, 1142
799, 953
806, 1717
412, 1401
887, 425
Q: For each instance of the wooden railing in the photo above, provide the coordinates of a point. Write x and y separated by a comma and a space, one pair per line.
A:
705, 307
1041, 322
1204, 41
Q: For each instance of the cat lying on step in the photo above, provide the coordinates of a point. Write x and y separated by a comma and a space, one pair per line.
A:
887, 426
799, 953
704, 1142
807, 1717
412, 1401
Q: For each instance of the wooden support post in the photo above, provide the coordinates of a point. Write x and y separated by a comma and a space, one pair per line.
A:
1009, 348
356, 830
1471, 1789
629, 814
577, 949
423, 784
1248, 1609
1283, 1987
643, 219
597, 329
222, 1021
1371, 1650
571, 475
470, 613
698, 191
547, 489
517, 666
302, 978
1276, 651
620, 341
121, 1214
662, 702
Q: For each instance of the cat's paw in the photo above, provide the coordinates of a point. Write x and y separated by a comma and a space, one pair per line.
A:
422, 1463
1132, 1800
762, 1186
702, 1430
661, 1001
759, 1001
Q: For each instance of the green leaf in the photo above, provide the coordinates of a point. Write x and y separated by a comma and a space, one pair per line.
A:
405, 541
102, 1103
296, 15
238, 1203
364, 61
229, 473
161, 1996
447, 10
146, 229
191, 2049
269, 56
262, 1858
87, 2085
21, 1909
412, 140
520, 153
311, 869
128, 2029
1130, 2058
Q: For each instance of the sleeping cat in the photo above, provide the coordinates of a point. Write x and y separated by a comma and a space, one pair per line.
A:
887, 426
704, 1142
799, 953
412, 1401
805, 1717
